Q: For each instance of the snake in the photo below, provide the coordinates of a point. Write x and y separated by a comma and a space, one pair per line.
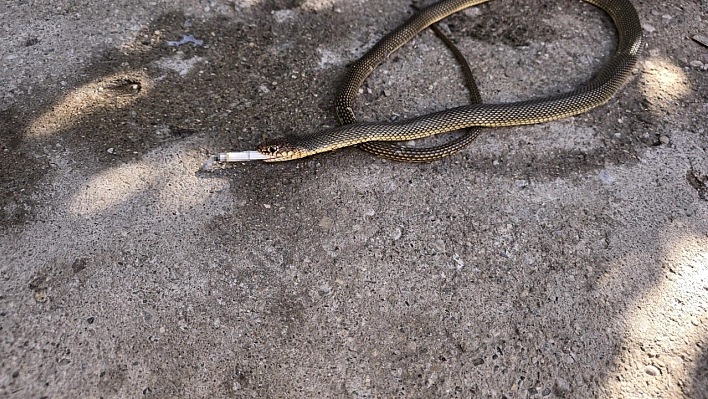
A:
396, 152
603, 86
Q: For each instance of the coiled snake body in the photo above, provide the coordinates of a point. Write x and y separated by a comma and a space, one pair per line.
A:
596, 92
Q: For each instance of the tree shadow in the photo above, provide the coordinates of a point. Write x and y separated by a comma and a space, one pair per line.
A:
236, 89
698, 386
246, 91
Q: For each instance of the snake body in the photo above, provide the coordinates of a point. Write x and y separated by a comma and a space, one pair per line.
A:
397, 152
596, 92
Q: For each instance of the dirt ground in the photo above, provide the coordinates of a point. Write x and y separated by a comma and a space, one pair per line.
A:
560, 260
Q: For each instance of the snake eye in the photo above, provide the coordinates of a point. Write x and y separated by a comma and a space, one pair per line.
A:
273, 149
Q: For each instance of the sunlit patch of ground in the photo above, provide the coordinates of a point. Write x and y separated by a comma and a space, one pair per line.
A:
665, 329
664, 83
117, 91
164, 180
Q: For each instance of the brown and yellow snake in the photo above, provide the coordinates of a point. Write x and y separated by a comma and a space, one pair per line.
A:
596, 92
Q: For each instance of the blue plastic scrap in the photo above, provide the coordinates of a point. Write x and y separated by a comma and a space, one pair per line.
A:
186, 39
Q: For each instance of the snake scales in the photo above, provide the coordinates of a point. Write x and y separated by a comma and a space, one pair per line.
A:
392, 150
594, 93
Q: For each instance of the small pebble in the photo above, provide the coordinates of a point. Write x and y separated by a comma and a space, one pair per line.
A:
648, 28
546, 392
606, 177
478, 361
696, 64
326, 223
472, 12
460, 262
439, 245
701, 39
325, 290
561, 385
396, 234
40, 296
111, 150
664, 140
652, 371
369, 212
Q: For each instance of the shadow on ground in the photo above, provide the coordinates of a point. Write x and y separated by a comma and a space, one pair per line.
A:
495, 274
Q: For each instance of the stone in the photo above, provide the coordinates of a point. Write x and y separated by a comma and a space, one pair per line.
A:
439, 245
561, 386
652, 371
606, 177
648, 28
326, 223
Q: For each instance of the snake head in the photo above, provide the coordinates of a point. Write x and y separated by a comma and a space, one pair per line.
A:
281, 150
